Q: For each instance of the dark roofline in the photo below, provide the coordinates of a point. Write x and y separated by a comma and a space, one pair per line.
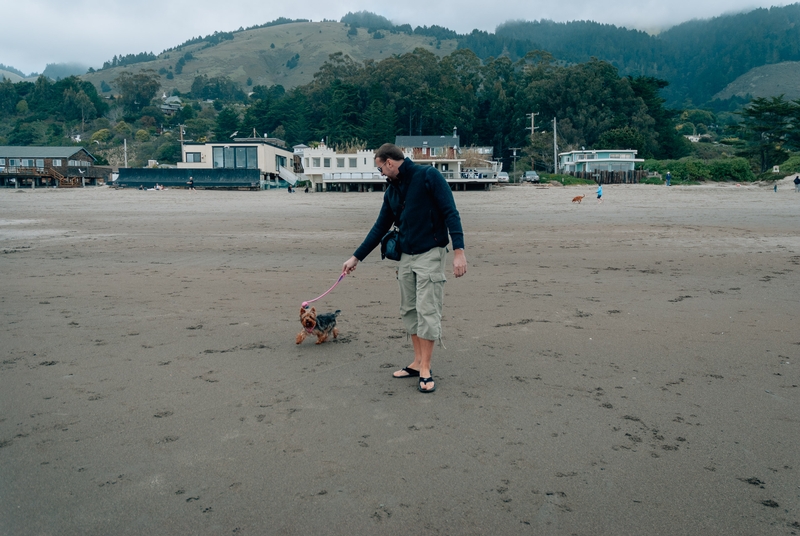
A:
41, 151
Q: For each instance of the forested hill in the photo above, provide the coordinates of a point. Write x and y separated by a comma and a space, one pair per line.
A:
699, 58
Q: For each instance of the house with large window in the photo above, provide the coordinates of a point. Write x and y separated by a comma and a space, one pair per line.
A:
598, 160
65, 167
267, 155
602, 165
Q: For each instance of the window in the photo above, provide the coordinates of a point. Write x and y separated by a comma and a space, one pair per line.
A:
326, 162
193, 157
340, 162
241, 157
40, 163
2, 161
252, 158
13, 162
279, 161
353, 162
57, 162
316, 162
233, 157
307, 160
79, 163
27, 162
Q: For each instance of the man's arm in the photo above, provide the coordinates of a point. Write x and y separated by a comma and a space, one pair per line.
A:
459, 262
446, 205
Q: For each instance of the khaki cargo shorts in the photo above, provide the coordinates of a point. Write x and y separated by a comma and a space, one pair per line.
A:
421, 279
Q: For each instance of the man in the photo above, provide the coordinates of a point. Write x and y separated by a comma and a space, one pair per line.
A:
797, 183
669, 178
419, 201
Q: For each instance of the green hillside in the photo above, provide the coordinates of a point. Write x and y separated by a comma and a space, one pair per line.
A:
766, 81
261, 55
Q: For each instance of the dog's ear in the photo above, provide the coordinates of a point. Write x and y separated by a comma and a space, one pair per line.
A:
302, 311
314, 310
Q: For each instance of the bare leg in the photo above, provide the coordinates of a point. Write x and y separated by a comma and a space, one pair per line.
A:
416, 364
423, 352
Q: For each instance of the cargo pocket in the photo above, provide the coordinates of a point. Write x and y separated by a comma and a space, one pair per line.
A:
438, 278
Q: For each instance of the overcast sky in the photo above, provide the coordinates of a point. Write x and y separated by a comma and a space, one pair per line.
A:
38, 32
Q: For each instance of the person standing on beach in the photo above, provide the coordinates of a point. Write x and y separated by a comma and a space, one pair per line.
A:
797, 183
669, 177
419, 201
599, 192
191, 184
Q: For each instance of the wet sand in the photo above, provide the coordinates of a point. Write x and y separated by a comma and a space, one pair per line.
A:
624, 368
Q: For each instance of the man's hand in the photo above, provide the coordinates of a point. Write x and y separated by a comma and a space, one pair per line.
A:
459, 263
350, 265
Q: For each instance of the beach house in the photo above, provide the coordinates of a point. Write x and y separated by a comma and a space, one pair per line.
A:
64, 167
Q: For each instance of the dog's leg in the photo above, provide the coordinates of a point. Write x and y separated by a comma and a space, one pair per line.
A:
335, 332
301, 337
322, 338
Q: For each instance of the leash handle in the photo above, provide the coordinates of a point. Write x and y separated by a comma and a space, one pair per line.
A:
305, 303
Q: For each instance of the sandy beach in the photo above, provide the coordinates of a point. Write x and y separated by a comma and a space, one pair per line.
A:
622, 368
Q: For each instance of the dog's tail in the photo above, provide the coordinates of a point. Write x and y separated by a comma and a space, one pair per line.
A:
336, 313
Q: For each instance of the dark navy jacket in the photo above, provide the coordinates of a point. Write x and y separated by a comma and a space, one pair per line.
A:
429, 214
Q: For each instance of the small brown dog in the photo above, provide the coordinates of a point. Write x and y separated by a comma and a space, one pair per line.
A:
578, 199
321, 326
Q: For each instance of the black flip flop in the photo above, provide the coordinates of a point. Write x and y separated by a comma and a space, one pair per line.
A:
411, 373
422, 381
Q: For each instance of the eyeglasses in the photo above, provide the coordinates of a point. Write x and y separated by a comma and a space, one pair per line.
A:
380, 168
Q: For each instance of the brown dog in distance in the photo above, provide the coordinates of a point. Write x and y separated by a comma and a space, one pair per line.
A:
578, 199
319, 325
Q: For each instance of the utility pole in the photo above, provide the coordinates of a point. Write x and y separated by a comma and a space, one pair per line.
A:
125, 142
532, 128
182, 153
555, 148
514, 160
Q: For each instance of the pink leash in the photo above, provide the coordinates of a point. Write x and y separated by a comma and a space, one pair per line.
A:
305, 303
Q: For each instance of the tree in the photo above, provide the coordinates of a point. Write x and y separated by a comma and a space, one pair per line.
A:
8, 97
623, 138
227, 124
137, 90
766, 126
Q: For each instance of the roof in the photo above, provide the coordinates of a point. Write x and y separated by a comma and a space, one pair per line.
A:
7, 151
427, 141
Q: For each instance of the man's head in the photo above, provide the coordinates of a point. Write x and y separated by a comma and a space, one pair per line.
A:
388, 159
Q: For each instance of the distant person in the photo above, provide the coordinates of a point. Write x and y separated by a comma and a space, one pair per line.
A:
141, 186
669, 177
289, 188
306, 190
599, 192
191, 183
797, 183
775, 187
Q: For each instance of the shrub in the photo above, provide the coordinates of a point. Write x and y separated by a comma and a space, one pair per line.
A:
686, 169
792, 165
102, 135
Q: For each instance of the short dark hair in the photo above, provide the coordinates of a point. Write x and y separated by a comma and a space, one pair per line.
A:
389, 151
